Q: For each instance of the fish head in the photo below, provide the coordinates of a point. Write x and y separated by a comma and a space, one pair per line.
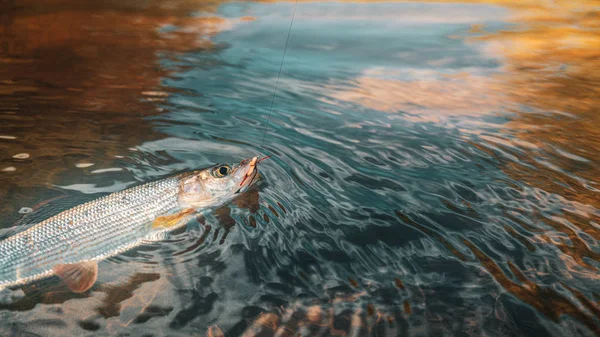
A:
217, 184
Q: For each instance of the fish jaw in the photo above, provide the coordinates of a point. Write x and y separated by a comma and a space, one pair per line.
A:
250, 177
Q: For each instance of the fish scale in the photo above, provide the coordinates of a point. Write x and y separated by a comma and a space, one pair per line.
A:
92, 231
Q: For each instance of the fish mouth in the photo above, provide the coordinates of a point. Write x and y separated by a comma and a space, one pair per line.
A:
248, 182
252, 174
253, 178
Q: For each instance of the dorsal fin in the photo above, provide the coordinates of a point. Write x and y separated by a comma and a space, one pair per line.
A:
79, 277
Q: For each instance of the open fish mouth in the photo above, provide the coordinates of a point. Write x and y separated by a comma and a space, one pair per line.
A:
252, 174
254, 177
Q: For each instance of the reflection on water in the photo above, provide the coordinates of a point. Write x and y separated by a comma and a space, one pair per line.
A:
77, 81
434, 169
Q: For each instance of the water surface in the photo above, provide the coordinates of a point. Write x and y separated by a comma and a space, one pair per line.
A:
434, 168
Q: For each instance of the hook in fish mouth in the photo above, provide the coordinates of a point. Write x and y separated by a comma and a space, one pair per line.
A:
252, 180
252, 173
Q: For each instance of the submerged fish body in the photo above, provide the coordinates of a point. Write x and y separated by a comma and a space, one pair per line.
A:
91, 231
70, 243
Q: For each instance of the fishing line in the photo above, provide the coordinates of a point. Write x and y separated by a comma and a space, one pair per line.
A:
279, 75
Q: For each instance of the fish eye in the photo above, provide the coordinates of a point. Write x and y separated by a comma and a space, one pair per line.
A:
221, 171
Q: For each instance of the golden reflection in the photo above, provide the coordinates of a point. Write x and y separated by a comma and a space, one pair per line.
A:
319, 320
545, 299
550, 81
214, 331
51, 75
77, 78
520, 238
552, 66
344, 314
266, 323
248, 201
407, 308
577, 248
399, 283
428, 99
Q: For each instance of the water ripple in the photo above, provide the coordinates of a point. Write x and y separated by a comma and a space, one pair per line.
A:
419, 184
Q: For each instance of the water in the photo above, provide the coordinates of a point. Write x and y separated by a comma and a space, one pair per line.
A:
434, 168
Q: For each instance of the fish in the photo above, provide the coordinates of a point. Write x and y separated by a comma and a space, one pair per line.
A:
71, 243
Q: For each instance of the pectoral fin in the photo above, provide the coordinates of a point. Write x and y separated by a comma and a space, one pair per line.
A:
174, 220
79, 277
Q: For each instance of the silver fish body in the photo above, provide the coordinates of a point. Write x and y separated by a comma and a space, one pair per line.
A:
70, 243
92, 231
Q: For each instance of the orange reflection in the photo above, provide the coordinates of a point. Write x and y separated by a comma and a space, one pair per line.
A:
546, 300
552, 65
77, 78
428, 99
550, 80
335, 319
249, 201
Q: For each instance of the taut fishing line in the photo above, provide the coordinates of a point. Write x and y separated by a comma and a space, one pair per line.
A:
279, 75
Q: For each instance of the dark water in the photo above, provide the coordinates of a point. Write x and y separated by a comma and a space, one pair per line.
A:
434, 170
